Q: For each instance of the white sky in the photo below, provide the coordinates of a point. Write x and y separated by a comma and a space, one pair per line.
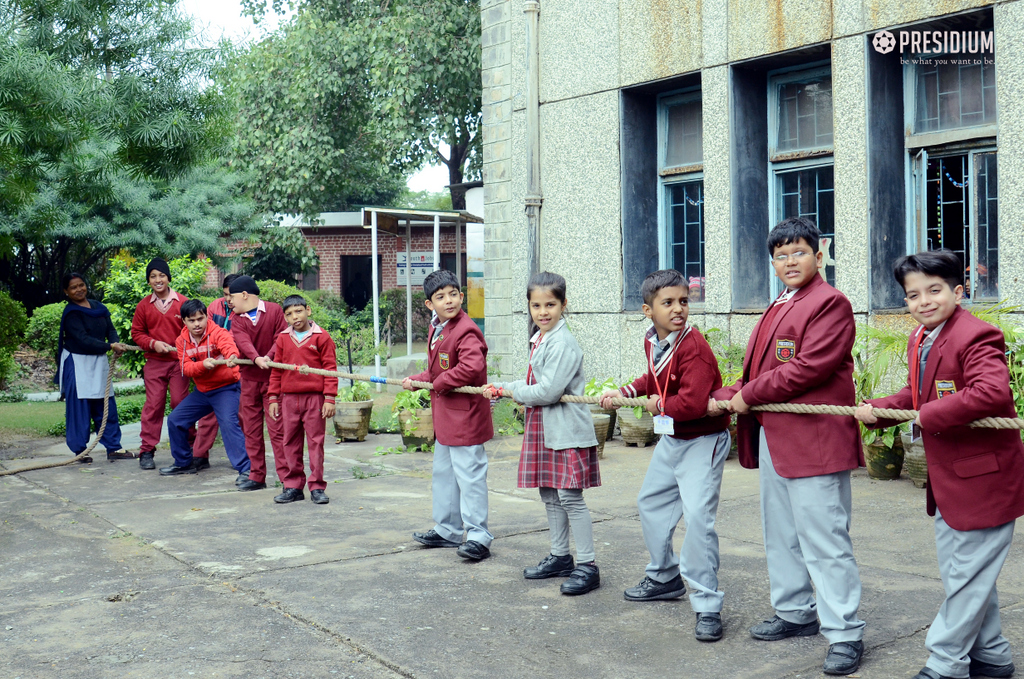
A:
216, 18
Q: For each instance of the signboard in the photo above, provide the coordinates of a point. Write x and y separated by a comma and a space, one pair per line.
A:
422, 265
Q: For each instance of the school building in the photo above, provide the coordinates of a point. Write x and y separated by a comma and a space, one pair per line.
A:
623, 136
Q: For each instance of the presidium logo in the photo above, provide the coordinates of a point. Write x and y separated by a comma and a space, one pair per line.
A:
923, 43
884, 42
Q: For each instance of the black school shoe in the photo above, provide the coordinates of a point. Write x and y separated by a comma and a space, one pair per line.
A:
201, 463
432, 539
551, 566
121, 454
843, 657
984, 669
474, 551
146, 461
289, 495
777, 628
709, 627
584, 578
319, 497
652, 590
175, 470
249, 484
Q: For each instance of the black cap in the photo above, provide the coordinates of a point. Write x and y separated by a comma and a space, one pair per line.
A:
244, 284
157, 264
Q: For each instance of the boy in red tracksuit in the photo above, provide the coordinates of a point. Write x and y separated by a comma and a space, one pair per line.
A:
684, 478
457, 357
304, 401
155, 328
958, 374
199, 345
255, 325
219, 312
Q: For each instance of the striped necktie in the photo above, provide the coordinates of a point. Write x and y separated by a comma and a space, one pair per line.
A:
922, 359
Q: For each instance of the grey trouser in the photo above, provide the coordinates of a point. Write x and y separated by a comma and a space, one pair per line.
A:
806, 524
566, 508
968, 624
684, 480
460, 493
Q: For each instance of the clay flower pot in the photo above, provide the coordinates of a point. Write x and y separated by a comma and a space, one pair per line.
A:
914, 461
598, 410
637, 432
601, 423
417, 427
884, 463
352, 419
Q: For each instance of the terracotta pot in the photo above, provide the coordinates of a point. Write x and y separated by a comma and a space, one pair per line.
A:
601, 431
637, 432
598, 410
884, 463
417, 427
352, 419
914, 461
734, 448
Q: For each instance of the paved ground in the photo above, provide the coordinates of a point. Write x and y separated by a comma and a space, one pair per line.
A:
106, 570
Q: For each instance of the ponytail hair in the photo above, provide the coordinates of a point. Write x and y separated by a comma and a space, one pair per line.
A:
547, 281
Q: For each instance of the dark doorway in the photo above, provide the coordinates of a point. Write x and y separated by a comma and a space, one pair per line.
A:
356, 275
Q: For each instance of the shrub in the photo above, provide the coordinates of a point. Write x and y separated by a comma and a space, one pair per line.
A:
126, 284
43, 328
327, 300
392, 306
15, 320
12, 395
8, 367
275, 291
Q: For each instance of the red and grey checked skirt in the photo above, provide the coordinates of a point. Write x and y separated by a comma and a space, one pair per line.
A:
542, 467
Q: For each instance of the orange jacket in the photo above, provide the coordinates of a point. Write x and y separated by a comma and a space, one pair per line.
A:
216, 343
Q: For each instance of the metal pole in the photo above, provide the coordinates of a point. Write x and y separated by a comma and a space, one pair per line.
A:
458, 251
408, 287
376, 297
534, 195
437, 242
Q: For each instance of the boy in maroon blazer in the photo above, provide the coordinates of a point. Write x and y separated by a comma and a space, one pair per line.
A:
255, 325
957, 374
800, 352
684, 478
304, 401
457, 357
155, 328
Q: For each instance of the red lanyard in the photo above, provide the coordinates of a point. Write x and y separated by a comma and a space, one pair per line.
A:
657, 385
915, 369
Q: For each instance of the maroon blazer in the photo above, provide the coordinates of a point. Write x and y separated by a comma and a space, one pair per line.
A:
459, 359
807, 359
975, 476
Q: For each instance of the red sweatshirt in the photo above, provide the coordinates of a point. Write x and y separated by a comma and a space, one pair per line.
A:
257, 339
317, 351
150, 325
216, 343
687, 374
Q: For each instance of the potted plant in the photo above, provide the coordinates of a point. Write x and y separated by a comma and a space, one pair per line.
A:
601, 423
352, 410
413, 409
595, 389
730, 365
877, 355
637, 428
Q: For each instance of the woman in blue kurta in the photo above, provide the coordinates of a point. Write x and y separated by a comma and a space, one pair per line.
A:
86, 335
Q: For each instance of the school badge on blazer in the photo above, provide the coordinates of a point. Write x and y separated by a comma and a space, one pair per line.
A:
945, 387
442, 358
785, 349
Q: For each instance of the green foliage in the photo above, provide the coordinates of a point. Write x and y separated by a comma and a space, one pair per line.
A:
384, 421
411, 400
360, 391
393, 309
507, 417
999, 315
44, 327
730, 356
327, 300
282, 253
392, 450
126, 284
596, 388
879, 358
58, 429
15, 320
12, 395
368, 473
494, 365
425, 200
8, 367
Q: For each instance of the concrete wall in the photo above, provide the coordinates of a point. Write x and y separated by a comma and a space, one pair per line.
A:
590, 51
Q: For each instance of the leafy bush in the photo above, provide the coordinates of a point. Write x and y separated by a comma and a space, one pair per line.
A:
360, 391
507, 417
15, 321
392, 306
411, 400
277, 292
8, 367
59, 429
328, 301
12, 395
126, 284
43, 328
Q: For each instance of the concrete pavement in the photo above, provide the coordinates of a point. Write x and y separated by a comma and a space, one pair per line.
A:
107, 570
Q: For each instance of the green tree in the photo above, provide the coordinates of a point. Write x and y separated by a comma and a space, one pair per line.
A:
106, 117
352, 91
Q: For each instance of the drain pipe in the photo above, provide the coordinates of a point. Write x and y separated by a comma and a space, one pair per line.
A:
534, 196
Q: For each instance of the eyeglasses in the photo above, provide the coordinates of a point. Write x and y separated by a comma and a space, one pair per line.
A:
782, 259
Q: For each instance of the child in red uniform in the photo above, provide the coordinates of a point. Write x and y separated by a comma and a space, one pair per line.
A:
957, 374
219, 312
457, 357
155, 328
684, 477
255, 325
305, 401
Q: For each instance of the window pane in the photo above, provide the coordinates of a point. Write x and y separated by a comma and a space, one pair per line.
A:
808, 193
684, 138
986, 277
805, 114
954, 95
686, 234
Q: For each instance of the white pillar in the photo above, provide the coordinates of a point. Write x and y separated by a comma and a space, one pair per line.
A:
376, 296
437, 242
458, 251
408, 287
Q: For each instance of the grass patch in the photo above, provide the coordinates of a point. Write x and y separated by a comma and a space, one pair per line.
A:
35, 418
